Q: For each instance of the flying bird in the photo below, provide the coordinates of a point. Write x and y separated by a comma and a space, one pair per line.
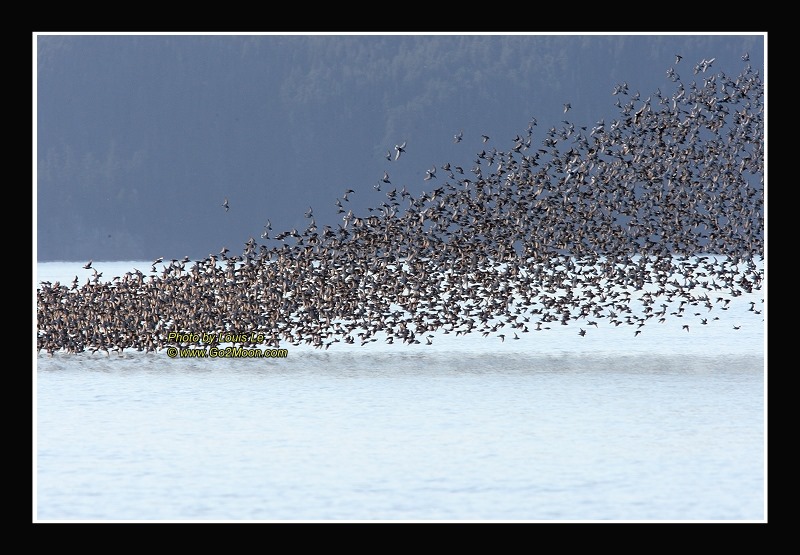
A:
400, 149
88, 265
567, 106
225, 205
457, 138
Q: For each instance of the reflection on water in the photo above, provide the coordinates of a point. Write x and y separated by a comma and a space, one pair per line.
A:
347, 436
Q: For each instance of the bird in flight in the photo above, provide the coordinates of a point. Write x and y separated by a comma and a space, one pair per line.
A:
678, 58
457, 138
400, 149
88, 265
567, 106
225, 205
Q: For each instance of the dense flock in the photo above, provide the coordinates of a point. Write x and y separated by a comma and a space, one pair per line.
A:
630, 221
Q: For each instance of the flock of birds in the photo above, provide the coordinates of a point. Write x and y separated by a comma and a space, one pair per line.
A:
632, 221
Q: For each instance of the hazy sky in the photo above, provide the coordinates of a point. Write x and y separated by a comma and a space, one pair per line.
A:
140, 138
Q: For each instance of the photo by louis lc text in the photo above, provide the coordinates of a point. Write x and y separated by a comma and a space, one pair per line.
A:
216, 337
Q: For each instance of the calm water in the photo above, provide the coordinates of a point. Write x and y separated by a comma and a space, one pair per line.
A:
551, 427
